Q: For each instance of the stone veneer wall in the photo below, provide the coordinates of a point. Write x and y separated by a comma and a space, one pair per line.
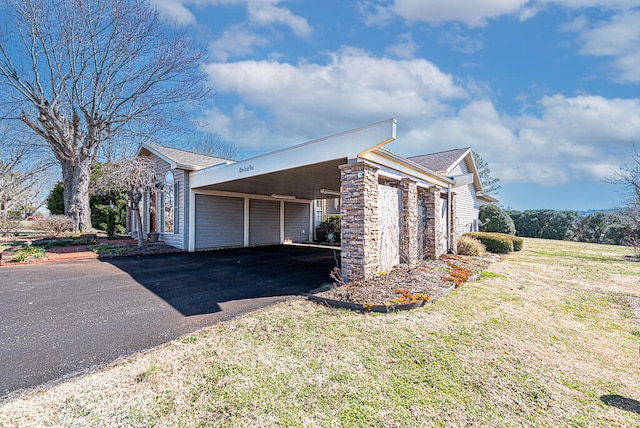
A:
409, 244
433, 248
359, 220
453, 227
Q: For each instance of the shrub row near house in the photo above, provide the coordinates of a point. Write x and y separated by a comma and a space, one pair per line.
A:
495, 219
468, 246
500, 243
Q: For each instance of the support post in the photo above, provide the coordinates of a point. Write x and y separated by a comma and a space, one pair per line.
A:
359, 220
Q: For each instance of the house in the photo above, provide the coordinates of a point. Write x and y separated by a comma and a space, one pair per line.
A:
460, 165
392, 208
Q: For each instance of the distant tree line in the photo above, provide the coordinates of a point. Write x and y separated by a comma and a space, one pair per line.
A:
600, 227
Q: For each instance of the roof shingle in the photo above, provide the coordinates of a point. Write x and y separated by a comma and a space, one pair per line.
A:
185, 158
441, 161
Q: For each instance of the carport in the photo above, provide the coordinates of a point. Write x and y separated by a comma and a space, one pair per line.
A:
269, 199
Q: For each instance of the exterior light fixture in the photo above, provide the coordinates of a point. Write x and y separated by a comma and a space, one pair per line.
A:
330, 192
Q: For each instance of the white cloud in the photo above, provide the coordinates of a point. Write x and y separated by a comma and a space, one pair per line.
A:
572, 140
175, 9
266, 13
618, 39
260, 12
567, 139
374, 14
472, 12
235, 42
405, 48
352, 89
460, 42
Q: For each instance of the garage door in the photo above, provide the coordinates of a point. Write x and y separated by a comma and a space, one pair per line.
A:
264, 222
219, 222
296, 222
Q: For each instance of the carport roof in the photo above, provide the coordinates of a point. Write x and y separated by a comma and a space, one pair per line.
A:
305, 171
310, 170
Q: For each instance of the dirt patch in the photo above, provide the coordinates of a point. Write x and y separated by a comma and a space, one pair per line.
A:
433, 278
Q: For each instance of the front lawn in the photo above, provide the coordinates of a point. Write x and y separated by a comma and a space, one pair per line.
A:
548, 338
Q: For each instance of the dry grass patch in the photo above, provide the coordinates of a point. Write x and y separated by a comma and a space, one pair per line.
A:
538, 344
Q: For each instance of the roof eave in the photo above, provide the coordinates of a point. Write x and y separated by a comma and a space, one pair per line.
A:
414, 168
155, 152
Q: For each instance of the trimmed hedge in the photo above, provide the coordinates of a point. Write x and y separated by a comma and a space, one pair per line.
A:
517, 243
500, 243
495, 220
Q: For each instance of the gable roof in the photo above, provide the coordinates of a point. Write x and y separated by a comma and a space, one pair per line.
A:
441, 162
182, 159
445, 162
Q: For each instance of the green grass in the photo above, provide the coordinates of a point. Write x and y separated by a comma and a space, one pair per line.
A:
29, 252
486, 274
537, 342
106, 249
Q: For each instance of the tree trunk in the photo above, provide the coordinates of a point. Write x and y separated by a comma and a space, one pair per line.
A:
76, 177
136, 208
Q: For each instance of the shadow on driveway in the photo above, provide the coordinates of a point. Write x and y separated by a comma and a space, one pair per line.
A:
60, 320
195, 283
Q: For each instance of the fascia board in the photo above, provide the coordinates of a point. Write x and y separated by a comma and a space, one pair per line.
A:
463, 180
347, 144
158, 154
486, 197
474, 169
460, 159
406, 166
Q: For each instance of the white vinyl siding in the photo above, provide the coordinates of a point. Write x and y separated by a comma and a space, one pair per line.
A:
467, 207
219, 222
176, 239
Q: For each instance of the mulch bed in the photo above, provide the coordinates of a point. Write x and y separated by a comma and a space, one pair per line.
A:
431, 278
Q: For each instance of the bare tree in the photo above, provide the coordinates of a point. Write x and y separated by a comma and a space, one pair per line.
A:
213, 145
21, 175
629, 177
83, 71
134, 176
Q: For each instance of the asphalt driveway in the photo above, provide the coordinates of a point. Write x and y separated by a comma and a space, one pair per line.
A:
58, 320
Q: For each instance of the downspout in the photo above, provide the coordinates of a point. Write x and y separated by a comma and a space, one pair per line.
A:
449, 206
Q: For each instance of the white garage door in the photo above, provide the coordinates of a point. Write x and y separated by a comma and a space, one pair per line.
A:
264, 222
296, 222
219, 222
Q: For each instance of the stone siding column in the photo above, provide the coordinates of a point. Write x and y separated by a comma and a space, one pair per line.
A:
409, 249
359, 221
433, 247
454, 223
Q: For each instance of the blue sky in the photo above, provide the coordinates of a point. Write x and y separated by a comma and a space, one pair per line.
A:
547, 91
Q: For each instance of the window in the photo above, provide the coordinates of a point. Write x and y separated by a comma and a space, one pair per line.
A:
170, 204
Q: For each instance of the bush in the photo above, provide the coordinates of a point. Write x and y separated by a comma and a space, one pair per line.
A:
468, 246
494, 242
56, 224
331, 225
495, 219
517, 243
